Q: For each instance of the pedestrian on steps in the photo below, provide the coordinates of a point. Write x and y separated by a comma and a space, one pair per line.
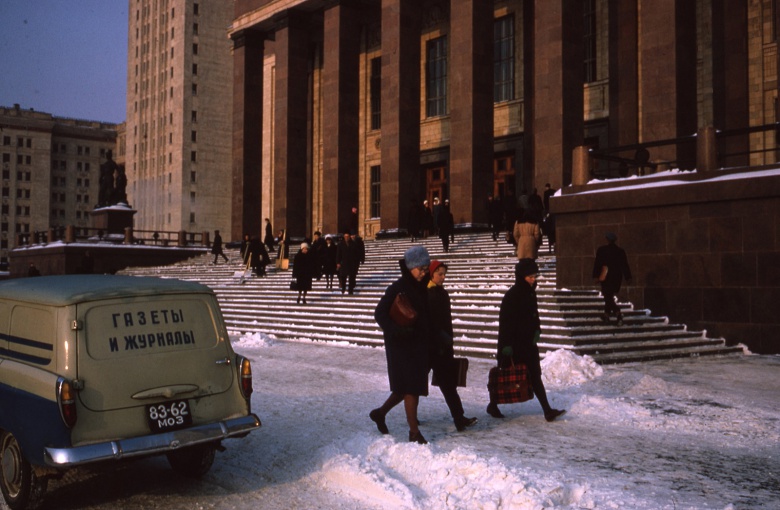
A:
609, 269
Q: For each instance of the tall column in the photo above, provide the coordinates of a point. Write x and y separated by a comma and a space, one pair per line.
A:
247, 133
553, 57
400, 181
291, 138
667, 78
623, 77
471, 111
730, 77
341, 104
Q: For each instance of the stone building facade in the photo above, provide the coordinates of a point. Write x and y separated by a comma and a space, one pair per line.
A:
178, 128
377, 103
50, 172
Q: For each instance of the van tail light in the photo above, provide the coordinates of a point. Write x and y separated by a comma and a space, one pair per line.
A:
66, 398
245, 376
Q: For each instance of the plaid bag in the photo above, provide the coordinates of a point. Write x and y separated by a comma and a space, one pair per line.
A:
510, 385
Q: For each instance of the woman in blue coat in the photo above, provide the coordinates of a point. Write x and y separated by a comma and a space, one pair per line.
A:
406, 347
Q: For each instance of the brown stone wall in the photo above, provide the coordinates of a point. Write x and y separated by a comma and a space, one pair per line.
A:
705, 253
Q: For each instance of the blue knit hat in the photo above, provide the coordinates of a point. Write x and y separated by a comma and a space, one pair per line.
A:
417, 256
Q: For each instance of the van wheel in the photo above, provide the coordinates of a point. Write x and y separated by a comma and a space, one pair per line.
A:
193, 461
21, 488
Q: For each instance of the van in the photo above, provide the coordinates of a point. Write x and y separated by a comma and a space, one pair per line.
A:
105, 367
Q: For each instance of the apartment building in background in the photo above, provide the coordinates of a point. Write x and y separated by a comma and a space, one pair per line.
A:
50, 171
177, 134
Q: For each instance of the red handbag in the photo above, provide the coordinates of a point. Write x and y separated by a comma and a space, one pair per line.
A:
510, 385
402, 312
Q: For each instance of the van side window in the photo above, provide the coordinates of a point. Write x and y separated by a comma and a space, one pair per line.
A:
31, 335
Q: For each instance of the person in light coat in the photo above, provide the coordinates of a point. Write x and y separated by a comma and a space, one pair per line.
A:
528, 236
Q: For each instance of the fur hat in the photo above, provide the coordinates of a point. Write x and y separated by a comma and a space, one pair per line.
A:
416, 256
436, 264
304, 246
525, 267
611, 237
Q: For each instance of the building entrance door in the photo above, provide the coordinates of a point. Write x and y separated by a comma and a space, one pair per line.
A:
436, 183
503, 175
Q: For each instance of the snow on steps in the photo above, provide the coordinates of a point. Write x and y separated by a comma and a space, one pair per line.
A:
481, 270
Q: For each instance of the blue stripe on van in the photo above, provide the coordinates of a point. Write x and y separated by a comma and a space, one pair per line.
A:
26, 341
33, 420
29, 358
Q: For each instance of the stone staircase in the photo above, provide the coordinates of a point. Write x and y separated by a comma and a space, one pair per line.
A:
480, 272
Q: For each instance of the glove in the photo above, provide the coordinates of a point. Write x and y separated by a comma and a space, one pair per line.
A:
507, 351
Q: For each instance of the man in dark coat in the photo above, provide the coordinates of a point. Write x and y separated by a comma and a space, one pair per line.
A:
268, 240
258, 256
495, 215
446, 226
348, 258
610, 268
406, 347
216, 247
518, 333
318, 250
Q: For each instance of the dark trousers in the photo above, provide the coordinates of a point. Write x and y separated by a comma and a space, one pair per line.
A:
610, 306
343, 276
444, 371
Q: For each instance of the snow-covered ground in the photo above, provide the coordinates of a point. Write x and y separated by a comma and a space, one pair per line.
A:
699, 433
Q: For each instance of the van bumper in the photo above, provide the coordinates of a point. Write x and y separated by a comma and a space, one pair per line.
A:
152, 444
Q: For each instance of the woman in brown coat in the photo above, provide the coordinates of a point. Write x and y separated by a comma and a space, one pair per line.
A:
528, 236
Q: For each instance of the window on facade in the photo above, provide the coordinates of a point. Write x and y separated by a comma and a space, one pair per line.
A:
19, 159
194, 136
194, 68
589, 40
28, 160
6, 140
504, 59
192, 176
195, 28
375, 189
6, 157
376, 93
29, 144
20, 141
193, 156
195, 9
192, 217
194, 116
192, 197
436, 77
194, 89
195, 48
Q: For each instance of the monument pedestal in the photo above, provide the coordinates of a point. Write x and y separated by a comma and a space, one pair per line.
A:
113, 219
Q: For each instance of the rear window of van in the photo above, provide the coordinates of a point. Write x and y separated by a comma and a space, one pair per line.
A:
143, 327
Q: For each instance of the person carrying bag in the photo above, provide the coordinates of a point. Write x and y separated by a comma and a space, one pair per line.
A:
519, 329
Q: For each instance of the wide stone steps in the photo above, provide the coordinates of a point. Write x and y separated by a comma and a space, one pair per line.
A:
480, 272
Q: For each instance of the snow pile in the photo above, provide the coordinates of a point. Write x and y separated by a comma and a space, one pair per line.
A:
563, 368
382, 473
248, 340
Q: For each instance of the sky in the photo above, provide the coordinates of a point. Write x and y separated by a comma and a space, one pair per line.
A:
65, 57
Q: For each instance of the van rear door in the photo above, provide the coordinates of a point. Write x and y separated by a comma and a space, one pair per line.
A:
137, 351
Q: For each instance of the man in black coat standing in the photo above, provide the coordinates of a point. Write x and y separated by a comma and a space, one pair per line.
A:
519, 328
609, 269
348, 258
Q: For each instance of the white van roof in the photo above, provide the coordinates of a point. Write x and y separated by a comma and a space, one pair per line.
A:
70, 289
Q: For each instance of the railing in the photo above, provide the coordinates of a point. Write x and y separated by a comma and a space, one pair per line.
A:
706, 150
73, 234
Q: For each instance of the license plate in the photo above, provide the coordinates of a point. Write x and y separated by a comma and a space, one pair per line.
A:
169, 415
